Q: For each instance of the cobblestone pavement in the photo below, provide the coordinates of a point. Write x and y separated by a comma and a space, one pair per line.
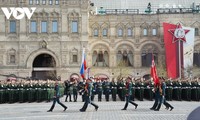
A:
107, 111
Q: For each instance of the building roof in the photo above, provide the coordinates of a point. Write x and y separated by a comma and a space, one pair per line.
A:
142, 5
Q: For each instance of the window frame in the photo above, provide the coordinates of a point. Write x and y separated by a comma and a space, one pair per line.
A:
145, 31
53, 29
74, 60
131, 31
154, 32
43, 2
13, 30
105, 30
118, 32
31, 26
30, 2
73, 30
57, 2
46, 30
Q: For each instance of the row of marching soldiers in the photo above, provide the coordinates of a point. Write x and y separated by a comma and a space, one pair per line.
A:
12, 91
108, 90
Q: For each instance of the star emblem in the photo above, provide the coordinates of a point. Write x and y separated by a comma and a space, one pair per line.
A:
178, 33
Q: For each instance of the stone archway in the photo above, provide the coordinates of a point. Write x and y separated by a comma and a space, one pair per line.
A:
44, 67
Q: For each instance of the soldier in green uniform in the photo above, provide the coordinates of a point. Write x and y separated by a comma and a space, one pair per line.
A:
106, 85
21, 91
11, 91
99, 89
133, 89
140, 87
119, 89
194, 90
128, 94
177, 90
113, 89
123, 85
56, 97
188, 90
2, 92
169, 90
75, 90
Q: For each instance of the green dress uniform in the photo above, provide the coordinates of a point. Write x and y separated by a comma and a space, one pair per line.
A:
114, 90
75, 92
177, 90
132, 97
2, 93
140, 91
169, 90
123, 85
38, 92
21, 92
11, 92
106, 90
195, 91
48, 92
99, 90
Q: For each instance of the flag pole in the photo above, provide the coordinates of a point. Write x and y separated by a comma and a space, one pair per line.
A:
179, 52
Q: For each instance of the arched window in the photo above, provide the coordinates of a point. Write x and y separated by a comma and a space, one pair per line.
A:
120, 32
96, 32
147, 58
100, 59
105, 32
125, 58
196, 30
145, 32
154, 31
196, 59
129, 32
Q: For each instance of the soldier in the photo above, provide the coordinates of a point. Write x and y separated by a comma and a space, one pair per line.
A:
106, 89
67, 89
177, 90
114, 89
56, 97
140, 86
195, 90
75, 90
93, 89
21, 91
186, 90
133, 89
123, 85
87, 92
99, 89
158, 98
2, 92
11, 91
169, 90
128, 94
162, 97
119, 89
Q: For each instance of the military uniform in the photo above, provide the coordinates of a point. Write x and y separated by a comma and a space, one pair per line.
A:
114, 90
140, 90
128, 94
75, 91
186, 90
87, 92
169, 90
106, 90
99, 90
21, 92
2, 93
177, 90
56, 98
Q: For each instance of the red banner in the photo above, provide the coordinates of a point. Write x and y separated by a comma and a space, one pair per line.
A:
171, 51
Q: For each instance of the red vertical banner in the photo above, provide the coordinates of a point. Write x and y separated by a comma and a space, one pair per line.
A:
171, 52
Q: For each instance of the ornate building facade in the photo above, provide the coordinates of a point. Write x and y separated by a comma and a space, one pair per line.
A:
50, 44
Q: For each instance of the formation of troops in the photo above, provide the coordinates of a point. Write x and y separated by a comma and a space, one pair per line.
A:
102, 88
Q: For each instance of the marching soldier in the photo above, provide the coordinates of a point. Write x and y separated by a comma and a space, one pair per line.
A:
87, 92
93, 89
114, 89
158, 97
128, 94
56, 97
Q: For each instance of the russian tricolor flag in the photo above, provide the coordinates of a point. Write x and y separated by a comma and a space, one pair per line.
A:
83, 64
